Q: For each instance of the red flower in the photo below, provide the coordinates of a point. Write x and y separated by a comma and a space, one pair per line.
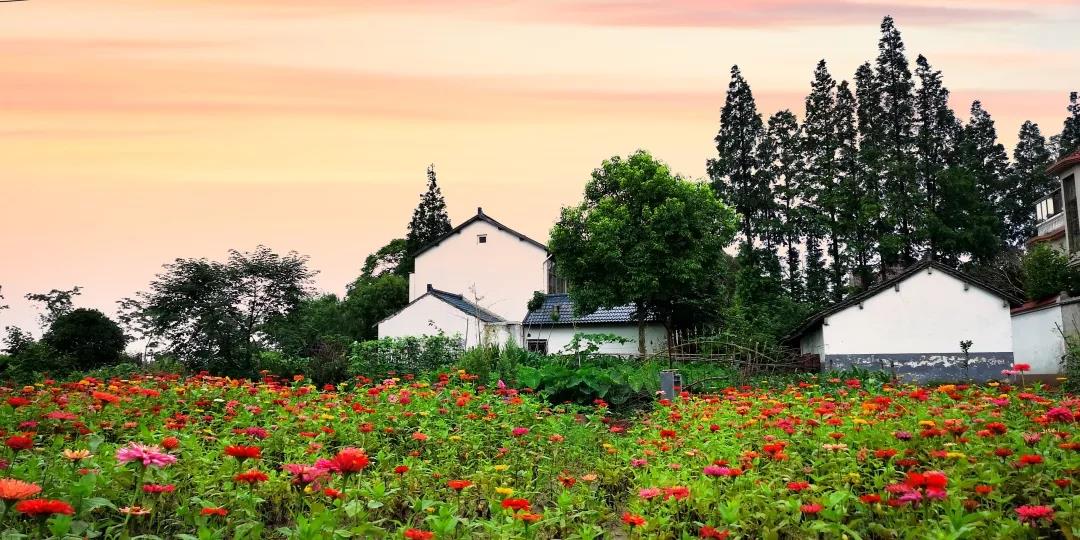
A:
158, 488
983, 489
1034, 513
633, 520
516, 504
243, 452
813, 508
351, 460
711, 532
213, 511
12, 489
871, 498
458, 485
1022, 367
251, 477
1031, 459
1003, 452
798, 486
401, 469
43, 507
170, 443
417, 534
17, 402
529, 517
19, 442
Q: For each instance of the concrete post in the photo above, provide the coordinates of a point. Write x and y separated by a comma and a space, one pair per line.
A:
670, 383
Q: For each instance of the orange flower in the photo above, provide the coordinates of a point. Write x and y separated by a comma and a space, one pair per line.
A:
458, 485
12, 489
633, 520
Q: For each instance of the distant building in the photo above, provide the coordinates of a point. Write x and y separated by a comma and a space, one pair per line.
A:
476, 281
1040, 326
912, 325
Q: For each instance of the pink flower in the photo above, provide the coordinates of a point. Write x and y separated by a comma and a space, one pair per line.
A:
150, 456
649, 493
1060, 414
305, 474
519, 431
716, 470
1035, 513
638, 463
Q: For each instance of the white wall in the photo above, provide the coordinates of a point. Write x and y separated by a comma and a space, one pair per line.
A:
428, 316
931, 313
1037, 339
559, 337
504, 271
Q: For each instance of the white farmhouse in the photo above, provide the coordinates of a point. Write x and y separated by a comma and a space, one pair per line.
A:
476, 282
912, 325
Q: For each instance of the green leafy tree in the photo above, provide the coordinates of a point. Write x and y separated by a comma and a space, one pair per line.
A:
370, 300
391, 258
733, 171
1029, 182
646, 237
55, 303
901, 193
429, 220
211, 314
1047, 273
91, 339
781, 162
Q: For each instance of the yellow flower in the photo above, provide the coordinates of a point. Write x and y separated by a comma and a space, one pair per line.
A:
501, 468
455, 437
425, 413
859, 422
504, 491
76, 455
955, 455
927, 423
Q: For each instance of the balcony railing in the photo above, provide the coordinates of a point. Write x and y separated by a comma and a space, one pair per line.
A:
1051, 224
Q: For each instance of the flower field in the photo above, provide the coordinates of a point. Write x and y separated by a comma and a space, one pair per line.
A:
207, 457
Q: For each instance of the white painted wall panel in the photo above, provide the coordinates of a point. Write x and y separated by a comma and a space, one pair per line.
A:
559, 337
931, 313
1037, 339
429, 315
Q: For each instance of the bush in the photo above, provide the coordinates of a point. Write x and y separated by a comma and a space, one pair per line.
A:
380, 357
1047, 273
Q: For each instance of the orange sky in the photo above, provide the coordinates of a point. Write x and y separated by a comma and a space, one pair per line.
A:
133, 132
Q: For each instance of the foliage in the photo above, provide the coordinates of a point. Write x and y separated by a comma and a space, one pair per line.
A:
536, 302
88, 337
378, 358
388, 259
830, 456
646, 237
733, 171
1047, 273
1069, 139
55, 303
211, 314
370, 300
1028, 181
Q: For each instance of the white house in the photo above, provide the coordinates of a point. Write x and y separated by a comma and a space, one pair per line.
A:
551, 328
912, 325
1039, 326
476, 281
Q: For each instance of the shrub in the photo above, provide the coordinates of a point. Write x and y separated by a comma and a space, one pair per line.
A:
404, 355
1046, 273
90, 338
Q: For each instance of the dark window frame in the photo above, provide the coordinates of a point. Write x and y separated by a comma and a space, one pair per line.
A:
537, 345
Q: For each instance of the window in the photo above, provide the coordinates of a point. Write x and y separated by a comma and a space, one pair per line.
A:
536, 345
1072, 220
481, 238
1048, 207
555, 284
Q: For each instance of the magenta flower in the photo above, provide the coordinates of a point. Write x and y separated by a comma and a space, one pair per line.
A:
149, 456
716, 470
519, 431
649, 493
638, 463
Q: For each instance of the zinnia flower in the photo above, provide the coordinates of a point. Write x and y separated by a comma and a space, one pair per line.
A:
213, 511
251, 477
633, 520
711, 532
243, 452
516, 504
12, 489
158, 488
458, 485
19, 442
149, 456
812, 508
76, 455
1035, 513
417, 534
351, 460
43, 507
135, 510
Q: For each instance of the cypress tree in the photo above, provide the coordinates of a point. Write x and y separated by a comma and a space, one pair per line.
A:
870, 173
822, 185
429, 220
856, 206
732, 172
817, 280
1069, 140
901, 190
1030, 182
988, 163
937, 133
780, 162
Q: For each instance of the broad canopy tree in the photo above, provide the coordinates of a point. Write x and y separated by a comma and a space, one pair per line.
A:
643, 236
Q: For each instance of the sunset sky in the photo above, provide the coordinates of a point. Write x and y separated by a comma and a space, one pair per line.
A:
133, 132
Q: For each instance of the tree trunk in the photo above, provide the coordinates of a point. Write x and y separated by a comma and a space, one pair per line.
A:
640, 329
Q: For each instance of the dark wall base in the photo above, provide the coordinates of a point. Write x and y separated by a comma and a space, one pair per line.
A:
927, 367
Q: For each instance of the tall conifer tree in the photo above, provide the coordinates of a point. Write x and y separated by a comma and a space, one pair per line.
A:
1069, 140
870, 171
1030, 182
988, 163
733, 170
855, 206
937, 134
780, 160
901, 190
429, 220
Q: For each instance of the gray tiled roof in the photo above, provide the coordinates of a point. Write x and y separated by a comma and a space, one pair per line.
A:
565, 308
466, 306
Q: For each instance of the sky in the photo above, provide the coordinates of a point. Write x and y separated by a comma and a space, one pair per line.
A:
134, 132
